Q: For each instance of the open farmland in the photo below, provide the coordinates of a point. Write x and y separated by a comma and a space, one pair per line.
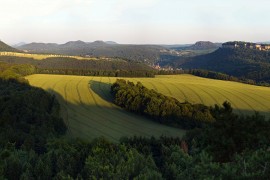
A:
42, 56
88, 110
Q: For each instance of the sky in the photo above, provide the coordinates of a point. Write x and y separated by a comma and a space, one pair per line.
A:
134, 21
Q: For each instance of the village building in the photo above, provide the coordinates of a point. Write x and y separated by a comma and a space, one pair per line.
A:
240, 44
265, 47
230, 45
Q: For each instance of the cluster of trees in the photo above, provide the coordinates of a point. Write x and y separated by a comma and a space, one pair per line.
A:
113, 67
11, 71
161, 108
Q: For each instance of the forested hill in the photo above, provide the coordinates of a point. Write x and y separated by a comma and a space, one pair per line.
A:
246, 63
102, 67
5, 47
142, 53
202, 45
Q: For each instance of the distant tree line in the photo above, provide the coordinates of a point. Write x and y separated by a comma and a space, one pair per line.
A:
222, 76
161, 108
213, 75
115, 73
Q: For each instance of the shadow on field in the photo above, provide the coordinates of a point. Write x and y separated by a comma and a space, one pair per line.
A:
102, 89
78, 118
89, 121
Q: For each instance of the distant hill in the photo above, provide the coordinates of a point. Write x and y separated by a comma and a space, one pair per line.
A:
111, 42
246, 63
37, 47
198, 46
141, 53
175, 46
202, 45
5, 47
18, 44
74, 44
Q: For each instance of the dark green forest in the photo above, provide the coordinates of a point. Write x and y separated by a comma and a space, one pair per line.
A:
114, 67
241, 63
33, 144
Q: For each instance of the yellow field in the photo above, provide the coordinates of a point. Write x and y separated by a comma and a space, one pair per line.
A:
42, 56
89, 112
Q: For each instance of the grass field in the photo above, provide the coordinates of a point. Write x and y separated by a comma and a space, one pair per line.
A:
89, 112
42, 56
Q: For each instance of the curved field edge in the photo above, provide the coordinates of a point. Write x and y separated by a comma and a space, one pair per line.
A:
89, 112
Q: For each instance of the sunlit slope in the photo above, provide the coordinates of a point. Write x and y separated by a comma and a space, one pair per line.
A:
42, 56
89, 112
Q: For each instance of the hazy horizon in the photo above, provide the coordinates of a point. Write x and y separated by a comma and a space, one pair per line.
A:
134, 21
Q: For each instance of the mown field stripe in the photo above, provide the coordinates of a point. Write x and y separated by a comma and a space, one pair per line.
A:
194, 92
229, 92
206, 92
185, 96
236, 108
212, 88
254, 100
